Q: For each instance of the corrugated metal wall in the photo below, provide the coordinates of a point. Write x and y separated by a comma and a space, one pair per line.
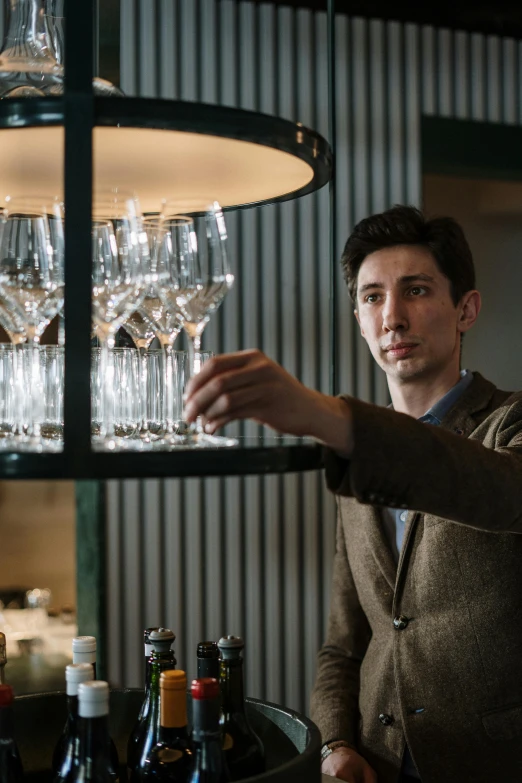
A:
253, 555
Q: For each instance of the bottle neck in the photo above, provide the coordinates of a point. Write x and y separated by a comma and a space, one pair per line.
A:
159, 662
231, 679
94, 740
208, 667
205, 720
173, 711
72, 707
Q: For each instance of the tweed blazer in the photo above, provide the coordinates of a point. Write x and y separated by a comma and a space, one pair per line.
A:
446, 676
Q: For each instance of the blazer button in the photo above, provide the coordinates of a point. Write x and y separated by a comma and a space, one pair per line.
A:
400, 622
385, 719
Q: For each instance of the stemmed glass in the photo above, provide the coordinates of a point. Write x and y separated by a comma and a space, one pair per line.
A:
200, 277
154, 318
32, 279
120, 270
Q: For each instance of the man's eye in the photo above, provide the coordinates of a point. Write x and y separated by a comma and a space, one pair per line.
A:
417, 289
372, 298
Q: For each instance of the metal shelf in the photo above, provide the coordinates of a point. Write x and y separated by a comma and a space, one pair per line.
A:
161, 148
252, 456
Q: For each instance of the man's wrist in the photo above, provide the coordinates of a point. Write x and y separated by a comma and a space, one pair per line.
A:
332, 745
332, 425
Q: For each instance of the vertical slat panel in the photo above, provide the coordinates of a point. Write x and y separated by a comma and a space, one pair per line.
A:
429, 78
132, 583
462, 75
152, 536
128, 50
167, 20
195, 571
509, 81
445, 73
148, 49
177, 602
254, 555
115, 570
361, 170
345, 199
478, 81
494, 88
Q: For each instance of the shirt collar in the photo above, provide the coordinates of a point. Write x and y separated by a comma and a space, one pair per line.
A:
437, 412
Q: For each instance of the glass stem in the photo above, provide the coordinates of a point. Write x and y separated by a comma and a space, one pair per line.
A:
18, 372
143, 391
107, 382
194, 349
170, 403
35, 418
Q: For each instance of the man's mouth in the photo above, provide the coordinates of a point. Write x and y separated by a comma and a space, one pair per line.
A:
400, 350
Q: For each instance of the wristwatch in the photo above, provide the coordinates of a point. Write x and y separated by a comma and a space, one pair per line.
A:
329, 747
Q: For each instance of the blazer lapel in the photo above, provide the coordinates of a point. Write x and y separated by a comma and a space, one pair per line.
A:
379, 545
460, 419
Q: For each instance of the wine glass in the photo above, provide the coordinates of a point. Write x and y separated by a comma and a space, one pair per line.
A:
32, 278
120, 271
200, 275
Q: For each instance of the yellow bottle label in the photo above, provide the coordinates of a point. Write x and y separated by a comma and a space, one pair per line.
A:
228, 742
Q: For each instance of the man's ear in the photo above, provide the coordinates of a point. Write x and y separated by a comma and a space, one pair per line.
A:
470, 305
356, 314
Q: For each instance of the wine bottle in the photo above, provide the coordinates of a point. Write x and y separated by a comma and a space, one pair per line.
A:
208, 660
84, 650
11, 770
66, 752
146, 732
94, 754
145, 706
243, 749
170, 760
209, 764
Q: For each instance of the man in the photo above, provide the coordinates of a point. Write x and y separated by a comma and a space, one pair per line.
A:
421, 673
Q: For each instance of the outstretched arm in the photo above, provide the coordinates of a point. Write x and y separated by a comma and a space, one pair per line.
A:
249, 385
388, 458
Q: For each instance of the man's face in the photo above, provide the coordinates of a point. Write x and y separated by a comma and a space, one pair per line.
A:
406, 313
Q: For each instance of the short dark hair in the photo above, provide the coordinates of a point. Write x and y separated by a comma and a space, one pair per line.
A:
404, 225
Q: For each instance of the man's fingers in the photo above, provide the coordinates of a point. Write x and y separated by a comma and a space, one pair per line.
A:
219, 388
229, 402
218, 365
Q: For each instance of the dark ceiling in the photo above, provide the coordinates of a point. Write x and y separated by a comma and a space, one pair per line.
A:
499, 18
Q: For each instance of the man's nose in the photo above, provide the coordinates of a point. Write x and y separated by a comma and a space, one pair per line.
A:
394, 315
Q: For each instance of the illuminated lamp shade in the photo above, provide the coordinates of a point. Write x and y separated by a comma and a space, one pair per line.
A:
156, 163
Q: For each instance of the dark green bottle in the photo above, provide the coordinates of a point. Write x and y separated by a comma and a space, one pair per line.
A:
66, 752
170, 760
144, 709
11, 770
208, 660
209, 764
243, 749
146, 733
94, 748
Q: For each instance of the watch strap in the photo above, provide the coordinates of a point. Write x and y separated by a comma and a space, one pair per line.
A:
332, 745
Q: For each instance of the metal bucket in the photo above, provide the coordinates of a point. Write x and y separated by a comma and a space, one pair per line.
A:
292, 742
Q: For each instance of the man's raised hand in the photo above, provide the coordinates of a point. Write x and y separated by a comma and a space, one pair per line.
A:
249, 385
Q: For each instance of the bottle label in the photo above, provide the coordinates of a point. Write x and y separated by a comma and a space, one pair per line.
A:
228, 742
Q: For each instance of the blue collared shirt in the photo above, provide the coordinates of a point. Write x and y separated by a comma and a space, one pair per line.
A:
394, 519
